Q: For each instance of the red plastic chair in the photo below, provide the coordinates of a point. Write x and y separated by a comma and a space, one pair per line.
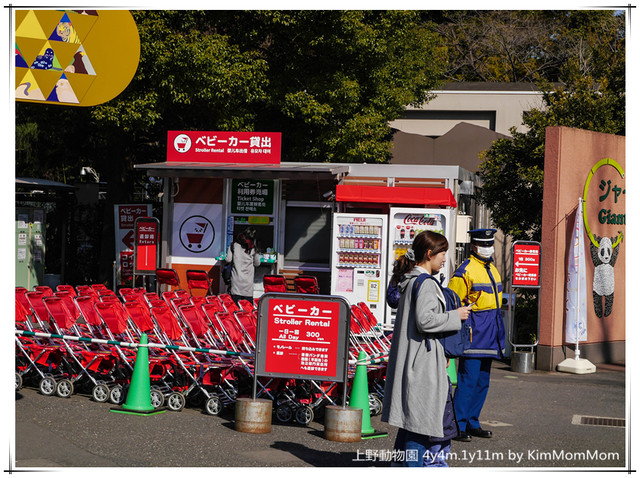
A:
197, 279
274, 283
167, 277
306, 284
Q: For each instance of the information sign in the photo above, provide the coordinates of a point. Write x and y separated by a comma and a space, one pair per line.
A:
526, 264
125, 216
147, 237
252, 196
224, 147
302, 336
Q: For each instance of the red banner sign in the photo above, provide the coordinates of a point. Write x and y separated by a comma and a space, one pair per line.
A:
223, 147
147, 234
526, 264
126, 266
302, 338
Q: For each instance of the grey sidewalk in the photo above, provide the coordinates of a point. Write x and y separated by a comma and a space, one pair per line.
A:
530, 414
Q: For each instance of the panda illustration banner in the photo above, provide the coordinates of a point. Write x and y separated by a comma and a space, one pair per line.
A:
576, 305
197, 230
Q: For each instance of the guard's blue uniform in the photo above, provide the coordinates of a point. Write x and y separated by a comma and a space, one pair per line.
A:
477, 281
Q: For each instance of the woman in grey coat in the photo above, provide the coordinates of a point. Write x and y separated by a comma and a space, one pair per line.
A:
417, 385
242, 254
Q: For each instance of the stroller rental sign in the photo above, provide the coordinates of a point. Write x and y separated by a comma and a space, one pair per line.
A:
196, 230
302, 336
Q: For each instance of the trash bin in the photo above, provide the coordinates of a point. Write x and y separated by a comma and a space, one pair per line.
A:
523, 362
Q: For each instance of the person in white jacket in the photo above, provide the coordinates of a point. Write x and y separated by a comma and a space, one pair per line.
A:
242, 254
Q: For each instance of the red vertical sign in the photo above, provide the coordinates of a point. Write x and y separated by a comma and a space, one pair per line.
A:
147, 237
526, 264
126, 266
302, 338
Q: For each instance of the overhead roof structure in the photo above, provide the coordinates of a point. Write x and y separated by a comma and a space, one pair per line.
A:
235, 170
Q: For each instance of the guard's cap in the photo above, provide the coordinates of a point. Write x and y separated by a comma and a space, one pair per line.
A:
482, 237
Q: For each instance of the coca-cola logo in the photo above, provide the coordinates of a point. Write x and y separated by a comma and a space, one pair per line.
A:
420, 220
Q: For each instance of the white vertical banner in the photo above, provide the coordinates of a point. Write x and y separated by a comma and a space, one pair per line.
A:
576, 305
198, 230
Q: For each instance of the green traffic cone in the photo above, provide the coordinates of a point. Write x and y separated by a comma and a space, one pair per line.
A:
452, 372
139, 395
360, 397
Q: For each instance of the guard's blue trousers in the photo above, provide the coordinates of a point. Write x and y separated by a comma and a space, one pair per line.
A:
473, 386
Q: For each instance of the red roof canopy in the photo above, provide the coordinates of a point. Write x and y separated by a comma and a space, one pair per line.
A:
395, 195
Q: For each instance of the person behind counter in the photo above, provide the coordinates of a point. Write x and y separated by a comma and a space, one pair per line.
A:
244, 259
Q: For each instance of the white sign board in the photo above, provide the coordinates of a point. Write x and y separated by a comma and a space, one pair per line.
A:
198, 230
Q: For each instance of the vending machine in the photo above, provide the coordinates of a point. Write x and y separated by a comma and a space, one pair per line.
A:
358, 260
405, 224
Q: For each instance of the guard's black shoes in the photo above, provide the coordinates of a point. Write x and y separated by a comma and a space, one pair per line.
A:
463, 436
479, 432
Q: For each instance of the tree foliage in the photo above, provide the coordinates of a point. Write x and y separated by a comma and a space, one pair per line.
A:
330, 81
588, 93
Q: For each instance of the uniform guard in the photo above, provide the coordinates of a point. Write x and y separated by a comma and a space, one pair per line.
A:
478, 282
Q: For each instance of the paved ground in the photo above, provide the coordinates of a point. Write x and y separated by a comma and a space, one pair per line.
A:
531, 416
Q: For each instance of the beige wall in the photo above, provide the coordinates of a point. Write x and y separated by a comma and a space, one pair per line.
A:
472, 107
570, 154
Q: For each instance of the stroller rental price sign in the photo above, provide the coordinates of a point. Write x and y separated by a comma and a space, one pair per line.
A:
526, 264
302, 336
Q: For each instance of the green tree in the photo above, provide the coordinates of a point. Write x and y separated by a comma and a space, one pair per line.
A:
336, 78
329, 80
588, 93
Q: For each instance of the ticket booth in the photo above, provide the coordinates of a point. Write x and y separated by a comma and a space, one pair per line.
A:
292, 207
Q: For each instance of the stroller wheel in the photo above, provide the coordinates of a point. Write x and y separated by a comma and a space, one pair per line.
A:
116, 396
304, 415
284, 414
100, 393
213, 405
375, 404
18, 381
64, 389
176, 401
157, 399
47, 386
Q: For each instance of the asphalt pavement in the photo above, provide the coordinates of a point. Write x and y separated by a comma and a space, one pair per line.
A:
535, 419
